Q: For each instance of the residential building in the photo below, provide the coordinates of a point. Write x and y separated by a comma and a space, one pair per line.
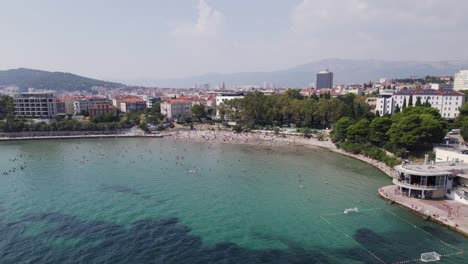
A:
128, 105
117, 100
150, 102
385, 103
324, 80
176, 108
446, 101
82, 105
39, 105
326, 92
460, 81
441, 86
101, 109
307, 92
372, 102
68, 102
60, 106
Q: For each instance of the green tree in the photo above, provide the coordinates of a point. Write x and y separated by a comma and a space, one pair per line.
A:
464, 110
293, 94
340, 130
359, 132
105, 118
417, 127
404, 104
410, 103
198, 111
6, 106
427, 104
253, 108
418, 101
463, 124
397, 109
378, 130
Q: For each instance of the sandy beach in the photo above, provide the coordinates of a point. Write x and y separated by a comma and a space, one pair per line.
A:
269, 139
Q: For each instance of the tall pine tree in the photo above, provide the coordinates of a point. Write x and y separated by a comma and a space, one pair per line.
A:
418, 101
397, 109
427, 104
410, 103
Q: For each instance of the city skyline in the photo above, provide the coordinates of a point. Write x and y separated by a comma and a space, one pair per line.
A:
118, 40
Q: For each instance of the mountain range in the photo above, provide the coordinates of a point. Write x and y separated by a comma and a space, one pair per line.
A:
345, 72
59, 81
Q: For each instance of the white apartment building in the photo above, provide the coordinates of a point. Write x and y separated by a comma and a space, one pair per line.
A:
223, 97
460, 82
447, 102
83, 105
176, 108
39, 105
128, 105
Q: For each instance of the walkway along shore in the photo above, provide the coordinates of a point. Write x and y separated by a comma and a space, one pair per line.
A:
449, 213
79, 136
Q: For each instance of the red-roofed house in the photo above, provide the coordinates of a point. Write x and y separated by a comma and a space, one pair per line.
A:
132, 104
60, 106
100, 109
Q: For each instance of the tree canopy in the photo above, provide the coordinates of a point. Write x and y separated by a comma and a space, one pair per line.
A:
6, 106
198, 111
257, 109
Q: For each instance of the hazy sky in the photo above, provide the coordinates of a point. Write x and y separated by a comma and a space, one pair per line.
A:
131, 39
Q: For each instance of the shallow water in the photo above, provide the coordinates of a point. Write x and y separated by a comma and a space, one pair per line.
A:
159, 201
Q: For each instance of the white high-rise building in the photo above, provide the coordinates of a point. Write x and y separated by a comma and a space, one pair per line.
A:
461, 81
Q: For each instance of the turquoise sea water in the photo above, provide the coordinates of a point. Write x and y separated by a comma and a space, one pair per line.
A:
160, 201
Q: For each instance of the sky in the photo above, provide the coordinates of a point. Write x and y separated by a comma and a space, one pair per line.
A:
157, 39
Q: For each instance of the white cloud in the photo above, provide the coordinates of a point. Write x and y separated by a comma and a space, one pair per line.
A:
208, 22
311, 16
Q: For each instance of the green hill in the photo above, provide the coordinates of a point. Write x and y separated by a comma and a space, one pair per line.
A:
59, 81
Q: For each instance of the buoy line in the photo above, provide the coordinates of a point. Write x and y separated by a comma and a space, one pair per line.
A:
458, 251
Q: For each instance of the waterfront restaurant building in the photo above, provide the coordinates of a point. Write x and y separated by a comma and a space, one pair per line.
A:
433, 180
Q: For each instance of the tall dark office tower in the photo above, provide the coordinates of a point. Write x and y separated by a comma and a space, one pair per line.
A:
324, 80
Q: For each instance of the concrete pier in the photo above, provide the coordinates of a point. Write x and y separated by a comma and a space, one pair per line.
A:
446, 212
